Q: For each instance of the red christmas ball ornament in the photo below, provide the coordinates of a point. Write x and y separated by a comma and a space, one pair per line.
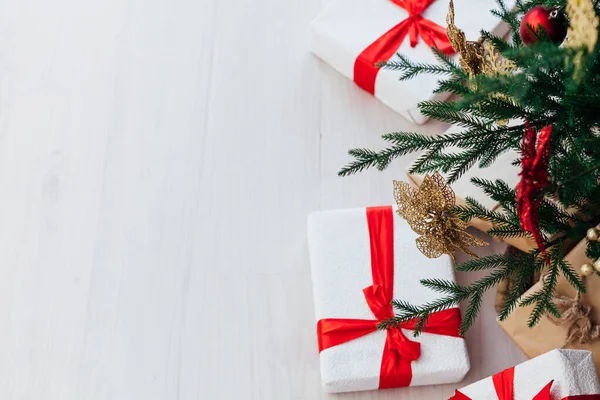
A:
553, 21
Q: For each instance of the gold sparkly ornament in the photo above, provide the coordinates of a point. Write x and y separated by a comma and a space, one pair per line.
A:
427, 211
597, 265
476, 57
471, 53
583, 31
495, 64
480, 57
593, 234
586, 270
583, 24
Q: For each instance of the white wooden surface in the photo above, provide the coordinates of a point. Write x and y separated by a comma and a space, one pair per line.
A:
157, 163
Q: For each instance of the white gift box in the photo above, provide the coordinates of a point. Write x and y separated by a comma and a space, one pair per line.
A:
571, 372
347, 27
340, 257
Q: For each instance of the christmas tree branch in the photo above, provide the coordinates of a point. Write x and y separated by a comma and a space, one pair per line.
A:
457, 294
553, 85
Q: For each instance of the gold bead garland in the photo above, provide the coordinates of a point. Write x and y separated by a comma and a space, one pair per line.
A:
586, 269
593, 234
597, 265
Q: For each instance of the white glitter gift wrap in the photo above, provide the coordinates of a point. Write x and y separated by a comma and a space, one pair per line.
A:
571, 371
340, 257
347, 27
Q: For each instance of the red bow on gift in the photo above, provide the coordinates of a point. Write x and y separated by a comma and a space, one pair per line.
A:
434, 35
399, 351
504, 384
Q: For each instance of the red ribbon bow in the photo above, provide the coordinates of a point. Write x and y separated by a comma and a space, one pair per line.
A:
365, 71
504, 384
399, 351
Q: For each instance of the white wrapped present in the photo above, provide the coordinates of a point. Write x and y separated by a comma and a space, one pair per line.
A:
352, 35
361, 259
557, 375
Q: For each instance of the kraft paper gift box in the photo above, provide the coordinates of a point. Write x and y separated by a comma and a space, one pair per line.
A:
557, 375
361, 259
503, 169
347, 29
546, 335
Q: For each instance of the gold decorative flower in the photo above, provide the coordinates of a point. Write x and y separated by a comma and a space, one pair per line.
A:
583, 24
480, 57
428, 212
582, 33
471, 53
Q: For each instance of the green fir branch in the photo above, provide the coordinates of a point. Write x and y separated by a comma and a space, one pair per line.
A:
543, 91
520, 281
410, 69
473, 293
474, 209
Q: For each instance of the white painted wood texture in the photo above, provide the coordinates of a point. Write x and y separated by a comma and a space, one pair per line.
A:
158, 160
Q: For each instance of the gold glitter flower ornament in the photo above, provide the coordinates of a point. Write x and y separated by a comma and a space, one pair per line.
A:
428, 212
582, 33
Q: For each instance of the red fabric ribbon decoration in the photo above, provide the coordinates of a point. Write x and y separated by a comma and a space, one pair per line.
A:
504, 384
534, 177
399, 351
365, 71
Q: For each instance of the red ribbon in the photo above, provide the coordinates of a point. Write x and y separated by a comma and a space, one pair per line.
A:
399, 351
534, 178
504, 384
365, 71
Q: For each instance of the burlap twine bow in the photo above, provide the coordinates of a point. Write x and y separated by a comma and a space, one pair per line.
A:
577, 318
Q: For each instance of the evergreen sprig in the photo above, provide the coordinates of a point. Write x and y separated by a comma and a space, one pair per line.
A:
543, 92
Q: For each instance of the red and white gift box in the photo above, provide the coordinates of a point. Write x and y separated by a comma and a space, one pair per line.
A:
361, 259
353, 35
556, 375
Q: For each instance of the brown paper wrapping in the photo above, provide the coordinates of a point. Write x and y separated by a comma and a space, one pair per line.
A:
546, 336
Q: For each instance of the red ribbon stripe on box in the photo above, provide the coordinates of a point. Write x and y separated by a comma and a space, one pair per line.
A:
365, 71
399, 351
504, 384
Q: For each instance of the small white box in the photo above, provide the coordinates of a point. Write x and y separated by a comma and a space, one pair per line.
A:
346, 28
571, 372
341, 263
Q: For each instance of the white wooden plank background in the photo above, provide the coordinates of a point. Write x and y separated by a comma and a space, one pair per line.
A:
157, 163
